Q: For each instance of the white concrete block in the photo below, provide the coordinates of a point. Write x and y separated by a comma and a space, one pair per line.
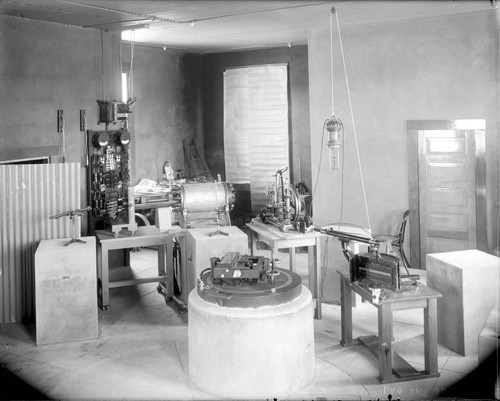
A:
489, 338
65, 291
469, 283
202, 244
251, 353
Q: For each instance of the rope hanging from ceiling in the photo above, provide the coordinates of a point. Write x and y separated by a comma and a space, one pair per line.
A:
334, 12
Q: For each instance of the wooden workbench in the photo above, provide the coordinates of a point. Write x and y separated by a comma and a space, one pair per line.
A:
143, 236
419, 296
277, 239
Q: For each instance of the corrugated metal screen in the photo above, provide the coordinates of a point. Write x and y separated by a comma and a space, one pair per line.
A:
29, 195
255, 127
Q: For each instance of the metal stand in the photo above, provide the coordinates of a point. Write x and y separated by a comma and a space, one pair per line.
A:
73, 214
73, 230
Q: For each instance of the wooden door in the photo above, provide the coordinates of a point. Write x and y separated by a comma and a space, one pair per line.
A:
447, 197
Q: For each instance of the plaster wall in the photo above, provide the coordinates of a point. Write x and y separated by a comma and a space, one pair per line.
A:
166, 84
45, 67
213, 111
428, 69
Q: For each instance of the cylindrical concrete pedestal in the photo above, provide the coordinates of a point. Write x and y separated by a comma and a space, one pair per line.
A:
265, 352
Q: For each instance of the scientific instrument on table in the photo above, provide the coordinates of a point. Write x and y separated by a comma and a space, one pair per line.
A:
205, 204
247, 281
73, 215
374, 270
284, 206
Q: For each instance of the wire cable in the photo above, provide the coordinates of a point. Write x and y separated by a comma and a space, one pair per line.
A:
131, 69
352, 120
331, 59
320, 157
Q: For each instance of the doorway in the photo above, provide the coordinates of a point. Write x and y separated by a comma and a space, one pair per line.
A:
446, 165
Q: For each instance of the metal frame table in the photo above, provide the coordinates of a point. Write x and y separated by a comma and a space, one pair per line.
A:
277, 239
143, 236
389, 361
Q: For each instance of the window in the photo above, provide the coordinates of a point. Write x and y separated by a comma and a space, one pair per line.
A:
124, 87
255, 127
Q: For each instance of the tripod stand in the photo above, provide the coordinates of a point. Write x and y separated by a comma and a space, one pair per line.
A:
73, 215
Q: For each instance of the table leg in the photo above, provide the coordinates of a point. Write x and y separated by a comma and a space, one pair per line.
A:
126, 256
169, 282
314, 268
162, 266
345, 312
291, 256
274, 254
99, 271
430, 337
104, 277
385, 341
161, 260
252, 239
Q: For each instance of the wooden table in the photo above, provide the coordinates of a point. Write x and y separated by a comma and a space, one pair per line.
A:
389, 361
143, 236
277, 239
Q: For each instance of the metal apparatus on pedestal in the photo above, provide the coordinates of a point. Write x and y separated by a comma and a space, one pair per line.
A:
247, 281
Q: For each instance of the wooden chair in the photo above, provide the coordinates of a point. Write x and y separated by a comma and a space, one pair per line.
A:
395, 243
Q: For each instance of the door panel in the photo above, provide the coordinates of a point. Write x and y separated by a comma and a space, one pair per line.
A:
437, 245
447, 223
447, 196
444, 192
438, 171
446, 166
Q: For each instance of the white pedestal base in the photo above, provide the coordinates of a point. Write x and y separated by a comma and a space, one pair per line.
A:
251, 353
468, 281
201, 245
65, 291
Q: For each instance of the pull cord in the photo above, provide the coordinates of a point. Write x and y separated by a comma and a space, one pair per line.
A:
333, 11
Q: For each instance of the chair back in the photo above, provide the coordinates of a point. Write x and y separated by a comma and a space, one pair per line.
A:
402, 228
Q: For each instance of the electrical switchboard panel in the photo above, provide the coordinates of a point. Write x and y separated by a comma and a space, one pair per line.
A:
110, 194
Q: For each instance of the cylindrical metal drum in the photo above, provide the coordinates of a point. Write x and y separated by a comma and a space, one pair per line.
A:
207, 196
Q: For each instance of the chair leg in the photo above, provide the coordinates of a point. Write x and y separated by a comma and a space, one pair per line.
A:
404, 259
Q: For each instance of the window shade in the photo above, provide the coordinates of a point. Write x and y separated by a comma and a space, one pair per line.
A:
255, 127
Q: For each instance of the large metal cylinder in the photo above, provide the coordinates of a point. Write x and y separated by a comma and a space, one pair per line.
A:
207, 196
